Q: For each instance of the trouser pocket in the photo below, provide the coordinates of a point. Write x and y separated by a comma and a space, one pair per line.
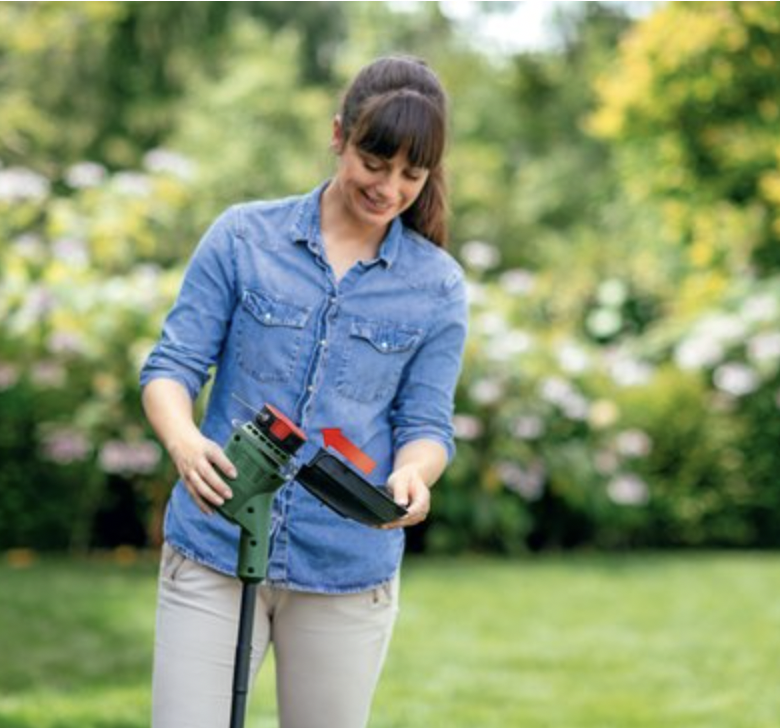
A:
171, 563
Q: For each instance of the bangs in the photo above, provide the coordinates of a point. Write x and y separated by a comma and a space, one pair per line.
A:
404, 122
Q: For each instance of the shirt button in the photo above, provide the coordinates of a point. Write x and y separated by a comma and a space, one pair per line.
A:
333, 299
323, 342
384, 345
310, 387
267, 317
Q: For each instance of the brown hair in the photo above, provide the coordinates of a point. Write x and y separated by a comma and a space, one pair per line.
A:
398, 104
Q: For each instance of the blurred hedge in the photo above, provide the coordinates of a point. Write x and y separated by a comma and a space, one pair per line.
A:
621, 382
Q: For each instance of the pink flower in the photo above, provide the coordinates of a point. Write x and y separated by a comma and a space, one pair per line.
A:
117, 456
65, 445
9, 376
467, 427
628, 489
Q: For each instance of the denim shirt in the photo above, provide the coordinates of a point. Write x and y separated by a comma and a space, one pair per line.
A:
376, 354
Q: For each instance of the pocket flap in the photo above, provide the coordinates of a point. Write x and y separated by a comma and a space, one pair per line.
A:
273, 312
386, 337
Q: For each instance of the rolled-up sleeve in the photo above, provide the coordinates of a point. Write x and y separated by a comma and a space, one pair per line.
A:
424, 405
194, 330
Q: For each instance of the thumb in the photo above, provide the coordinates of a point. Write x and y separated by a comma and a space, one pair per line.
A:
400, 488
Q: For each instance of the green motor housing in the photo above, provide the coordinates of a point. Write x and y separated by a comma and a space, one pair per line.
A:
259, 449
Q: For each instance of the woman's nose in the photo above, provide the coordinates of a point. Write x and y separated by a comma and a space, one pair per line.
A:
389, 186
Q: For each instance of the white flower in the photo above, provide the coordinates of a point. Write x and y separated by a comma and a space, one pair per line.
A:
85, 174
133, 184
487, 391
633, 443
492, 323
725, 328
480, 256
526, 482
555, 390
764, 347
71, 251
476, 293
736, 379
628, 372
18, 184
604, 322
760, 308
509, 345
573, 358
628, 489
612, 292
168, 162
576, 407
698, 353
517, 282
528, 427
563, 395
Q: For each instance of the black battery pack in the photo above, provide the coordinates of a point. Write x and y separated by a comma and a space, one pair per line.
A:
342, 489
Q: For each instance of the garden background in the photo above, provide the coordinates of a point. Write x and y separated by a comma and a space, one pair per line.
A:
615, 203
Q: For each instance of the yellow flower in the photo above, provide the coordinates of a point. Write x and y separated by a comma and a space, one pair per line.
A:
603, 413
701, 254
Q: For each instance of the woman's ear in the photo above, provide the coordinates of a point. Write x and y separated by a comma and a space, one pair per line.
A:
337, 139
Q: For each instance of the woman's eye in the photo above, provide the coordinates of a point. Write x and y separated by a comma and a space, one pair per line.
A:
371, 165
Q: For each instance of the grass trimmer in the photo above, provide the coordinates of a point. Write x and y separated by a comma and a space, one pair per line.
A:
260, 450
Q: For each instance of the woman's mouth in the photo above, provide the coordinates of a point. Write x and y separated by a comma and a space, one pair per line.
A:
375, 205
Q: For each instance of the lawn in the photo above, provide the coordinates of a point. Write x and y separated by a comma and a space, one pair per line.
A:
583, 641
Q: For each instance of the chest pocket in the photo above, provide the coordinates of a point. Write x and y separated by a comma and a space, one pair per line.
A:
270, 333
373, 359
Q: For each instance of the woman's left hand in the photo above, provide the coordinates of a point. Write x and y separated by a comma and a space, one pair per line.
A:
410, 491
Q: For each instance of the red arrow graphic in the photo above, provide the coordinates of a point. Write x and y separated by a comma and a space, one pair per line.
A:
333, 437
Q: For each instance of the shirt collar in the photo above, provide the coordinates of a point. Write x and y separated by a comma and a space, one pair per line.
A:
306, 228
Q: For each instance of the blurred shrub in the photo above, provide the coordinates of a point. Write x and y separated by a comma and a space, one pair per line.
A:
658, 440
621, 380
81, 301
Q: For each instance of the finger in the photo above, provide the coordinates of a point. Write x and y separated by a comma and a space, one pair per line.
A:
401, 493
400, 523
419, 501
417, 497
205, 491
215, 481
408, 519
217, 455
199, 502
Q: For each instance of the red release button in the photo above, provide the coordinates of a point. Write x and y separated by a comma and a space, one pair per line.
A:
282, 427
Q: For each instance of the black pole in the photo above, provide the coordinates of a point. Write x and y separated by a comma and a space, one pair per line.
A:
246, 622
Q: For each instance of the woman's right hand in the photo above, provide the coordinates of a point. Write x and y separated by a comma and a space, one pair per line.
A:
195, 457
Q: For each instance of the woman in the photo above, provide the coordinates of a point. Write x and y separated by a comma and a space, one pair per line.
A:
341, 309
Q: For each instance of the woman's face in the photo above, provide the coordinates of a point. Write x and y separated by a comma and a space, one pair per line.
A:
376, 190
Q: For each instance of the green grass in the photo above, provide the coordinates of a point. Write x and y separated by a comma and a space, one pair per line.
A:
640, 641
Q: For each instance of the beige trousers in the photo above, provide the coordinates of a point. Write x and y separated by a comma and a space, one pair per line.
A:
328, 649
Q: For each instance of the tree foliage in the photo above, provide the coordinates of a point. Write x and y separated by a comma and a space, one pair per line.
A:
693, 105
